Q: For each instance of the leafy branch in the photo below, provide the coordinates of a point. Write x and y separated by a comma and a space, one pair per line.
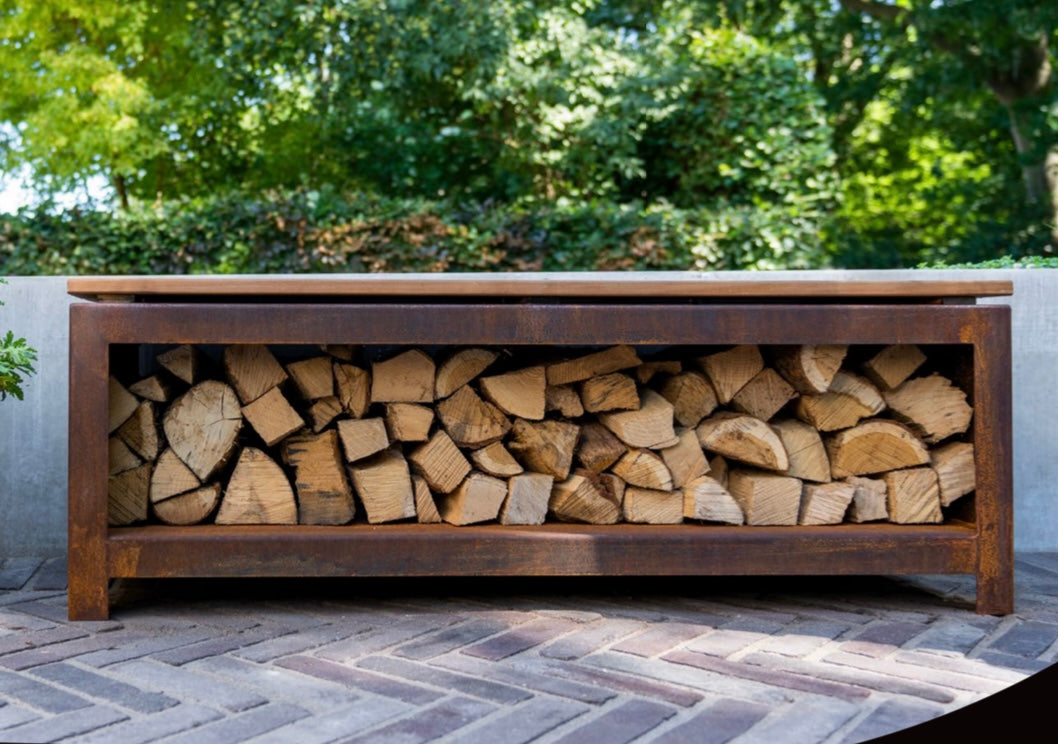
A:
16, 363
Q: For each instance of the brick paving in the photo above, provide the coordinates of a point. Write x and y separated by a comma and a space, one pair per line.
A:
740, 660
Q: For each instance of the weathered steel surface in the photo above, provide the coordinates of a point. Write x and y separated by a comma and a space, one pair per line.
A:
993, 506
535, 323
545, 550
981, 546
87, 527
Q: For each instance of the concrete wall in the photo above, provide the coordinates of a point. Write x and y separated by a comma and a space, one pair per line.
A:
33, 436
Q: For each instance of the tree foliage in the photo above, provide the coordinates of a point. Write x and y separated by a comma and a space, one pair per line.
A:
788, 133
323, 231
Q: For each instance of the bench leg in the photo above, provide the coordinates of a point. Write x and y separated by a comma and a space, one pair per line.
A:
88, 594
994, 464
87, 580
995, 595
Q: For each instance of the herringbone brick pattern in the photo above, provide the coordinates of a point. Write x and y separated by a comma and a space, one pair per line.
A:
665, 660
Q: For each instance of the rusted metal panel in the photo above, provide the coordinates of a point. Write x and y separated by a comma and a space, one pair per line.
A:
654, 324
981, 545
87, 527
993, 464
545, 550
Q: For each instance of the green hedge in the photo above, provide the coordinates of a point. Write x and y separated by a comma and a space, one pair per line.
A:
1006, 262
320, 231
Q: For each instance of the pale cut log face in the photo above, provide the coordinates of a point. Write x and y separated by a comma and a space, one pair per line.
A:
252, 370
258, 493
188, 508
202, 426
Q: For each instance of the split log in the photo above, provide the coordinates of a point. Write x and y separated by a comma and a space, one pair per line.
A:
869, 500
440, 462
202, 426
193, 507
730, 370
766, 498
612, 485
825, 503
764, 395
406, 378
648, 506
892, 365
874, 446
496, 460
584, 498
913, 496
650, 426
140, 432
598, 363
545, 446
956, 475
353, 386
383, 484
362, 438
811, 368
122, 404
119, 457
252, 370
685, 460
718, 469
408, 422
272, 417
691, 396
645, 469
477, 499
471, 421
859, 388
598, 449
155, 388
344, 352
185, 362
743, 438
850, 399
527, 498
646, 371
805, 450
521, 393
611, 392
127, 495
425, 507
171, 477
460, 368
323, 411
313, 378
932, 406
258, 492
564, 399
707, 500
324, 493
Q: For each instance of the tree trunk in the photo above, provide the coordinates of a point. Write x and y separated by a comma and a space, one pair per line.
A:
121, 187
1033, 168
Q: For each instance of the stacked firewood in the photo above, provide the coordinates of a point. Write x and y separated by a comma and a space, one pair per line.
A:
805, 435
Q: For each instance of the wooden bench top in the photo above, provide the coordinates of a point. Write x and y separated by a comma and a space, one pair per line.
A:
849, 285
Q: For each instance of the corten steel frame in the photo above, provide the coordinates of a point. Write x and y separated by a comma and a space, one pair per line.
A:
980, 543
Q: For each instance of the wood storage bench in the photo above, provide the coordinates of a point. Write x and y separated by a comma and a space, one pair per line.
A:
537, 424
